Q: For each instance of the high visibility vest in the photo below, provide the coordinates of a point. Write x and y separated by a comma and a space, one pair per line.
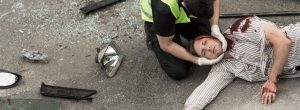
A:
178, 12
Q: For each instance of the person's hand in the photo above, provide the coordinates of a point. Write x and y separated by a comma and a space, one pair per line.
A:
205, 61
215, 31
268, 92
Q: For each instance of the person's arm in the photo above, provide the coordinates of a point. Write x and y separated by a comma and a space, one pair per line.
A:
281, 48
169, 46
164, 26
164, 23
215, 18
218, 78
214, 21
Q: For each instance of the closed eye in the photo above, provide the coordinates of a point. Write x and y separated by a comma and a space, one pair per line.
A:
203, 46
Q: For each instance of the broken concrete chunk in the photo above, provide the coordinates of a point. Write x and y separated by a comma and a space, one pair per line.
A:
35, 56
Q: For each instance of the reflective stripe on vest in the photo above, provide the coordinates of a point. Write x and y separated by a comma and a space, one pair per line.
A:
146, 10
177, 11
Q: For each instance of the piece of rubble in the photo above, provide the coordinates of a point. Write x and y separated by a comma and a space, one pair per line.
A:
35, 56
21, 31
66, 92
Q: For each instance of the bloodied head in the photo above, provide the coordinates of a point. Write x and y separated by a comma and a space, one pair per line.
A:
206, 46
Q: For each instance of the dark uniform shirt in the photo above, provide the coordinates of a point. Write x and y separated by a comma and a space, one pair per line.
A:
164, 22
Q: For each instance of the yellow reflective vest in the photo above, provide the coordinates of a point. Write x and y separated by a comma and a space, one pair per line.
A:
178, 12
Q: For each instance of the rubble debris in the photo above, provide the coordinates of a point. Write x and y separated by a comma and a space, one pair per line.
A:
35, 56
68, 93
87, 55
109, 58
21, 31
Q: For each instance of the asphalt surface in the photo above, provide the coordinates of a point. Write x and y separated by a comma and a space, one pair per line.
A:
58, 28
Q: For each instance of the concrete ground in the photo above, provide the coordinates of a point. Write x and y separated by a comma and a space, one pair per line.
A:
58, 29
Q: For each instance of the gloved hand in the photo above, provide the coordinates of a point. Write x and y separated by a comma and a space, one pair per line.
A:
215, 31
205, 61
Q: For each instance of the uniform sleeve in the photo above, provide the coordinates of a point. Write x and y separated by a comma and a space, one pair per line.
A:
218, 78
164, 20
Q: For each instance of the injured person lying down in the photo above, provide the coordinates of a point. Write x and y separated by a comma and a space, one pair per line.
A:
257, 50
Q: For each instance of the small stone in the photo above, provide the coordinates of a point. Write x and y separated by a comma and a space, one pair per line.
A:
87, 55
21, 31
34, 56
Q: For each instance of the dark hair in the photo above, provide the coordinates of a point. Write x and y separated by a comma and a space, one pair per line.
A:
191, 48
200, 8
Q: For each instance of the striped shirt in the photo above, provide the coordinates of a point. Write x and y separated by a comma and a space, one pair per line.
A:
252, 59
